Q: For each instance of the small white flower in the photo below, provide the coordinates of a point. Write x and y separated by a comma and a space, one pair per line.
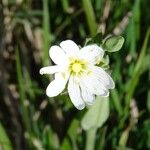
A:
78, 68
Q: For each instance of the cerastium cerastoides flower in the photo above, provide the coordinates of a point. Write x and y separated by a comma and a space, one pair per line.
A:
77, 68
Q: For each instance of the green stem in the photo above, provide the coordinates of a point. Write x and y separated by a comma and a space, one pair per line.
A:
148, 95
46, 32
65, 5
90, 16
24, 108
91, 136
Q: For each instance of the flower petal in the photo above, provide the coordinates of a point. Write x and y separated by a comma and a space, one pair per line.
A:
92, 53
94, 86
57, 85
103, 77
75, 93
50, 70
87, 96
57, 55
70, 47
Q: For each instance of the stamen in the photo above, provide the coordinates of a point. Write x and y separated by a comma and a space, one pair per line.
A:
77, 66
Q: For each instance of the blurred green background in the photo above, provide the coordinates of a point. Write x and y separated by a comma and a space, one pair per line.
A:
29, 120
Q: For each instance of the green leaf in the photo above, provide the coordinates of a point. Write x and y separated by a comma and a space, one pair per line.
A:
97, 114
5, 143
113, 43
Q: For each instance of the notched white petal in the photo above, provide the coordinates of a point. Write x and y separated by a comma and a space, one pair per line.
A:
103, 77
111, 82
56, 86
54, 89
106, 94
93, 85
57, 55
87, 96
80, 106
70, 47
50, 70
92, 53
75, 94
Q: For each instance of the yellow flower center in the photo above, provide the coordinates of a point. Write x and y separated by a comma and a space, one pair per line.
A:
76, 67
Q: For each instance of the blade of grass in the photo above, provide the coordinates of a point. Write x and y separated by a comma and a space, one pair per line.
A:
148, 95
90, 16
5, 143
116, 101
46, 32
134, 27
65, 5
20, 78
67, 22
29, 85
137, 71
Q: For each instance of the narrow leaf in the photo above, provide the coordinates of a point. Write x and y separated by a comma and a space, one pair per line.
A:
5, 143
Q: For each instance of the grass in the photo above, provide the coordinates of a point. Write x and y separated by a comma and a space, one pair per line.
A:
29, 120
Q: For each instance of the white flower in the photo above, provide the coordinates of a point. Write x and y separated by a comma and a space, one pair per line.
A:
77, 69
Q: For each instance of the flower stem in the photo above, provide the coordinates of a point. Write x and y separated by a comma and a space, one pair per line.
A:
91, 136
